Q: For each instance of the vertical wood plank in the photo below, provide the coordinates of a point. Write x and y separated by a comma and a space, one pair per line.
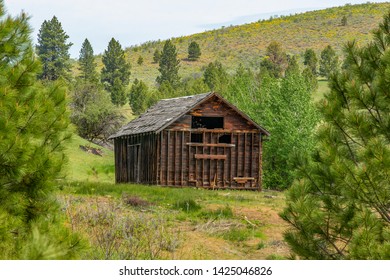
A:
168, 155
182, 159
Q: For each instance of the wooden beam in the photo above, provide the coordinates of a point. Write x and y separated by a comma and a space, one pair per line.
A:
223, 145
206, 156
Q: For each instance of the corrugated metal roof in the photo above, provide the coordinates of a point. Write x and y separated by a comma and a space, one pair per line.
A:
166, 111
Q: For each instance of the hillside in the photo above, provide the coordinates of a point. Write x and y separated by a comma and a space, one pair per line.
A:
245, 44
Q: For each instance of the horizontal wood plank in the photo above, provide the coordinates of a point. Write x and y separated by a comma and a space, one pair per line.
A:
204, 156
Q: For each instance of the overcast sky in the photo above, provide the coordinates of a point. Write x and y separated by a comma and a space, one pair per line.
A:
137, 21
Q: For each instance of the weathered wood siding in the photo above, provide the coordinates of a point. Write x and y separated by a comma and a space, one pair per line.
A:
224, 157
210, 164
135, 158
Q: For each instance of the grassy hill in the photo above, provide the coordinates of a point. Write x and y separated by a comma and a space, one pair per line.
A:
88, 162
245, 44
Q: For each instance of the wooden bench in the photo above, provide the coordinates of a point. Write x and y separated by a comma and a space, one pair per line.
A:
241, 181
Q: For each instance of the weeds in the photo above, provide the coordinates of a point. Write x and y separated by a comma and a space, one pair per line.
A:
118, 234
187, 205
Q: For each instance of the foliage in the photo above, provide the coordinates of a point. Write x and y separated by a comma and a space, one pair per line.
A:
192, 86
140, 97
87, 62
215, 77
53, 50
156, 56
116, 72
95, 117
329, 62
284, 108
193, 51
339, 208
140, 60
169, 66
310, 60
291, 118
115, 236
33, 124
275, 61
344, 21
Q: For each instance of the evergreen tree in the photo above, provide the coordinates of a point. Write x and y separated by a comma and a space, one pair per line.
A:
169, 66
329, 62
156, 56
216, 77
311, 61
33, 123
140, 60
344, 21
139, 94
53, 50
116, 72
339, 207
193, 51
275, 61
87, 62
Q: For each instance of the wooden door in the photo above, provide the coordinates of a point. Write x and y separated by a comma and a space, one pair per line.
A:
133, 158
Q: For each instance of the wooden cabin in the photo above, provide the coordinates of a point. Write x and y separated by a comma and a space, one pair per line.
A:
200, 140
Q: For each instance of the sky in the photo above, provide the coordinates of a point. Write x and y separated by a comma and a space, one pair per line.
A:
133, 22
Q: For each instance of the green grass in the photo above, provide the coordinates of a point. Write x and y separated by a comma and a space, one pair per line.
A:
322, 89
84, 166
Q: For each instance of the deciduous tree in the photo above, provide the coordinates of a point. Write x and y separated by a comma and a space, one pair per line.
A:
95, 117
275, 60
329, 62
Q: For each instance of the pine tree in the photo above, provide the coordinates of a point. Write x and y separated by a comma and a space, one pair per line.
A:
156, 56
169, 66
53, 50
139, 94
329, 62
116, 72
33, 123
194, 51
339, 208
87, 62
311, 61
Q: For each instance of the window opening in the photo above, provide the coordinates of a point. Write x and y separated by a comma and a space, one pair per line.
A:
196, 137
207, 122
226, 139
